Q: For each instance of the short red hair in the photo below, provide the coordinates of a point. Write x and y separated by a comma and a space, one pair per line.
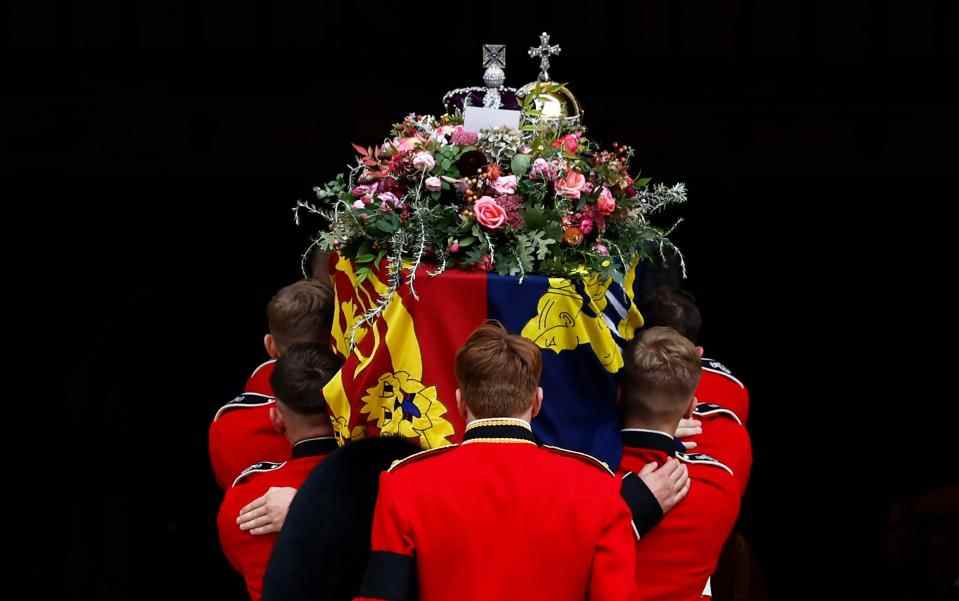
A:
498, 372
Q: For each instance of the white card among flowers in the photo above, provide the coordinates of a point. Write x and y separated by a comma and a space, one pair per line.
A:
478, 118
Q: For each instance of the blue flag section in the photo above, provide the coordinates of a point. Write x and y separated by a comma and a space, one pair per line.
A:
581, 326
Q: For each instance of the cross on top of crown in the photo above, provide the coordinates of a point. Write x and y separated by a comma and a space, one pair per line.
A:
494, 54
544, 51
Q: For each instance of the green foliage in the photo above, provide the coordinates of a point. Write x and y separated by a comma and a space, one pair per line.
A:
520, 165
532, 243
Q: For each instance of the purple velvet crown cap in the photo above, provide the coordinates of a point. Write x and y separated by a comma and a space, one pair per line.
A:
455, 101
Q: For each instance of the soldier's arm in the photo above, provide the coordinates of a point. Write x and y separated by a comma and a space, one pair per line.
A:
731, 445
653, 492
267, 513
613, 576
391, 571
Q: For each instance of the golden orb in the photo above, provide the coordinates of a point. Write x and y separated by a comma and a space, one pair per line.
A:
551, 102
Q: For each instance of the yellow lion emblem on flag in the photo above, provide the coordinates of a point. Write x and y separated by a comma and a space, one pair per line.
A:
403, 406
566, 318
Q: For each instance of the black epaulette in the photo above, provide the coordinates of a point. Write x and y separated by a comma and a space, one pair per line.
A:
245, 400
585, 457
263, 466
718, 368
707, 409
702, 458
421, 455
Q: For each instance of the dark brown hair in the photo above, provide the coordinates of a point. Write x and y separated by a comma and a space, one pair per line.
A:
672, 308
300, 375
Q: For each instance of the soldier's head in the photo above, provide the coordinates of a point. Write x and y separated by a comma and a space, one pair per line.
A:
672, 308
498, 375
299, 313
660, 374
298, 380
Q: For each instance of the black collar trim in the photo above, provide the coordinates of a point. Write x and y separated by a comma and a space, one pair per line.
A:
309, 447
651, 439
499, 430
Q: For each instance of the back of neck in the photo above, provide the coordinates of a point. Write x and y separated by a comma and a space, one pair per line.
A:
295, 435
665, 427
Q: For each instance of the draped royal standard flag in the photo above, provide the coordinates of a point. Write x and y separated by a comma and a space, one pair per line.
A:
398, 374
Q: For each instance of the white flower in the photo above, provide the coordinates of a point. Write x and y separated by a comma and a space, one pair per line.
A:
505, 184
423, 161
434, 184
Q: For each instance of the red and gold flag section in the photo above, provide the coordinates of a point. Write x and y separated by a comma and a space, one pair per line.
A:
398, 377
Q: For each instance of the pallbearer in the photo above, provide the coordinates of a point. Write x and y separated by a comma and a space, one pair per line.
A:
498, 516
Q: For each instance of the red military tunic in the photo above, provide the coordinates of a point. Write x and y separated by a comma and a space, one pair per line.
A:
259, 381
249, 554
723, 437
677, 557
719, 386
498, 517
242, 433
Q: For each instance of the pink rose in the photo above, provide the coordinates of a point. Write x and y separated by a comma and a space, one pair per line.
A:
571, 185
505, 184
359, 204
541, 169
361, 191
423, 161
455, 247
389, 199
570, 143
462, 137
601, 249
488, 213
587, 188
586, 225
434, 184
606, 203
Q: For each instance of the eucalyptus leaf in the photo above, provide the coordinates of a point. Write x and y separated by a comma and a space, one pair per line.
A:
520, 164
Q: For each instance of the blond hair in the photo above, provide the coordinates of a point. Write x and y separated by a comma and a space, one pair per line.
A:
660, 375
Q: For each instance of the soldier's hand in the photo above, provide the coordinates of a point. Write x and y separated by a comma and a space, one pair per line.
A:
669, 484
689, 427
266, 514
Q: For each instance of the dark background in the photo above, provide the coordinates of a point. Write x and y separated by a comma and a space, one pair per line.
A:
159, 147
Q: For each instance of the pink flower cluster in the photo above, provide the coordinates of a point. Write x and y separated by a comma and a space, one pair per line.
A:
461, 137
513, 205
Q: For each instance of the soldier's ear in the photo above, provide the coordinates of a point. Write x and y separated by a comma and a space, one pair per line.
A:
460, 405
537, 402
699, 350
269, 342
276, 418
